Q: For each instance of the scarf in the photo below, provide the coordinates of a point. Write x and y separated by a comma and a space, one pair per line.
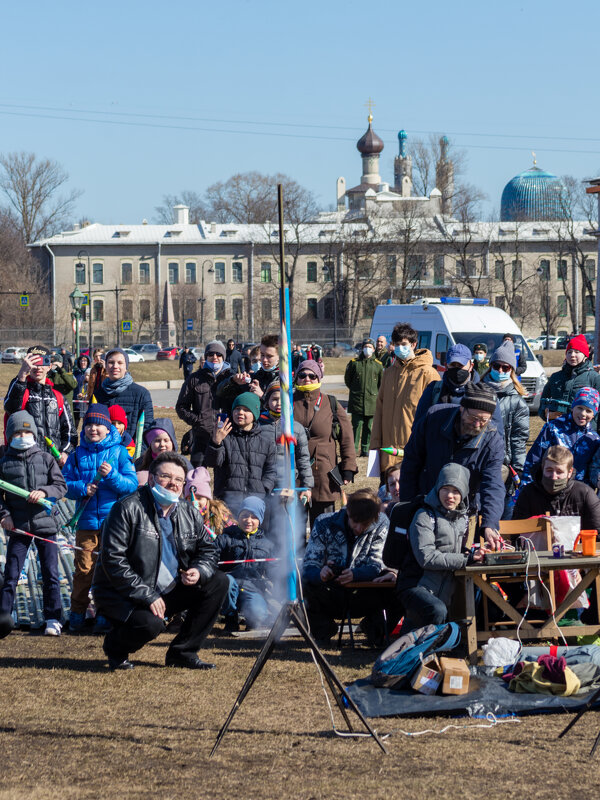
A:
113, 388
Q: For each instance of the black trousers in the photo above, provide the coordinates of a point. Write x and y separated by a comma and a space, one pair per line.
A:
202, 604
327, 601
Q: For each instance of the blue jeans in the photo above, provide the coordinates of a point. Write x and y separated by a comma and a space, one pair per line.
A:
249, 602
16, 552
422, 608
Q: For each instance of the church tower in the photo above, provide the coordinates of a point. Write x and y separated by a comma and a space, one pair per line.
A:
370, 146
403, 168
444, 176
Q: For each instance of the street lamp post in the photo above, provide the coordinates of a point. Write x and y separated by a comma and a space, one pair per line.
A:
76, 297
80, 255
203, 299
237, 327
332, 273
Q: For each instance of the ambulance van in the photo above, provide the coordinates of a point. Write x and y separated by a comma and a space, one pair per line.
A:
444, 321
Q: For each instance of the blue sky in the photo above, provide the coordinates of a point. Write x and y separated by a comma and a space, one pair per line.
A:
188, 93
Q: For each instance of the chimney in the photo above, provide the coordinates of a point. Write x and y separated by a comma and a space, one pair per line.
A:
341, 194
182, 214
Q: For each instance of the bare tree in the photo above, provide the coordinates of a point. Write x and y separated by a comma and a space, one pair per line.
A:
426, 156
198, 209
518, 289
31, 187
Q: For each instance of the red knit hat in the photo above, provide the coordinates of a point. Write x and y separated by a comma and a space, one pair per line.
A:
117, 414
579, 343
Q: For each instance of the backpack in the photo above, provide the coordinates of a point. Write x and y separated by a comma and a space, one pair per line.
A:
60, 400
397, 663
396, 545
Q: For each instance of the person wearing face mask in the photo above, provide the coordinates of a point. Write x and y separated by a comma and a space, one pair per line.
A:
402, 385
481, 362
576, 372
502, 377
158, 560
574, 431
198, 405
555, 491
25, 465
363, 379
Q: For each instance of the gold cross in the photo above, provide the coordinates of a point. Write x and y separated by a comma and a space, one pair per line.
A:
370, 104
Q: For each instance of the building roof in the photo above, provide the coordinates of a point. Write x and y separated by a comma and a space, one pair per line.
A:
533, 195
369, 143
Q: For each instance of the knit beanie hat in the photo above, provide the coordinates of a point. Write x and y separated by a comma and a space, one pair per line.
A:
255, 506
20, 421
587, 397
97, 414
215, 347
154, 433
313, 366
274, 386
579, 343
117, 414
117, 350
479, 396
250, 401
199, 480
505, 353
459, 353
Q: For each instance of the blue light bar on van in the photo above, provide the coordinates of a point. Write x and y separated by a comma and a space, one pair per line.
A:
464, 301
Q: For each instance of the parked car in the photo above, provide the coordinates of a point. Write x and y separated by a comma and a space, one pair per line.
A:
552, 340
562, 342
133, 356
13, 355
167, 354
534, 344
148, 350
339, 350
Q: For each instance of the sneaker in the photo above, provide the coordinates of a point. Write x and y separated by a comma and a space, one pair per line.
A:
53, 628
76, 622
102, 625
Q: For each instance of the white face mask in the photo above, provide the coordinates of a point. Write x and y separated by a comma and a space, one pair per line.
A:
23, 442
403, 351
478, 356
368, 352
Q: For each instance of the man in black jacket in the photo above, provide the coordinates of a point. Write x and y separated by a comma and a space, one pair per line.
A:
256, 382
157, 559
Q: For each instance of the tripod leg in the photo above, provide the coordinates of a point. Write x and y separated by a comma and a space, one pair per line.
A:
596, 742
327, 669
275, 634
576, 718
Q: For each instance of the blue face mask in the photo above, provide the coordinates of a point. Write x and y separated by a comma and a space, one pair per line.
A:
163, 496
270, 369
22, 442
214, 365
255, 366
499, 377
403, 351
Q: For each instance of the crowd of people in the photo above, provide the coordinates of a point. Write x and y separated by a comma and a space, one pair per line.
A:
168, 538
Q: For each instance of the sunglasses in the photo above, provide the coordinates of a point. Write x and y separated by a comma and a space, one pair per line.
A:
311, 376
501, 367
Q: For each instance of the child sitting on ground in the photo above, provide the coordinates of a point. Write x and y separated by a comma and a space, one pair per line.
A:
25, 465
247, 582
436, 535
118, 417
243, 454
101, 452
573, 431
198, 491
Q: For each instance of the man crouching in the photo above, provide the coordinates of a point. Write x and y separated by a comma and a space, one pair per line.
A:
157, 559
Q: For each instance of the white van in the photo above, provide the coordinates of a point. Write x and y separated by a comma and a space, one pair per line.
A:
444, 321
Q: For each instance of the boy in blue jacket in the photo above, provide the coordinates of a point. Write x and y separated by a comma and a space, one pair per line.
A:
100, 452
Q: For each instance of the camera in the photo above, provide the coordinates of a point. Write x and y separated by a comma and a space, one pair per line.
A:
337, 569
46, 361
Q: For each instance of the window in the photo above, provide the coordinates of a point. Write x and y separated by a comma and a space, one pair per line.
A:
237, 308
499, 270
97, 273
144, 310
589, 306
369, 306
144, 272
98, 310
438, 271
311, 272
176, 308
416, 267
173, 272
328, 311
220, 272
442, 343
590, 269
80, 272
127, 309
500, 301
544, 269
364, 269
265, 273
190, 272
517, 271
391, 269
126, 273
424, 340
266, 310
219, 307
237, 273
328, 270
191, 308
562, 271
561, 305
311, 307
469, 268
517, 306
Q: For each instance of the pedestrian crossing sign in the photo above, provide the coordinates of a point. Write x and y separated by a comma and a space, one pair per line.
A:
126, 326
24, 301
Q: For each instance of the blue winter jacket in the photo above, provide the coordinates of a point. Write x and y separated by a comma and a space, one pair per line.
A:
583, 442
82, 466
434, 442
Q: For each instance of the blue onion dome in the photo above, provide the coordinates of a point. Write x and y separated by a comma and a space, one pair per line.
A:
369, 144
532, 195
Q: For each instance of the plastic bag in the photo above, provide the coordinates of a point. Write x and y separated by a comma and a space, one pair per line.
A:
565, 530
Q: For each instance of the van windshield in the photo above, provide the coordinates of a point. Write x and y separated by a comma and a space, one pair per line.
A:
491, 341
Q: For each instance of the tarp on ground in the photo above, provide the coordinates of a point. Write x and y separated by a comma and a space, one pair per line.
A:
487, 694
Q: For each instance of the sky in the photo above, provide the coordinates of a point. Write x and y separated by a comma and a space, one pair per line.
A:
141, 99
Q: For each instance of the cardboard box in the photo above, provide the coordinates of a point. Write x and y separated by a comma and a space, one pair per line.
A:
428, 677
456, 676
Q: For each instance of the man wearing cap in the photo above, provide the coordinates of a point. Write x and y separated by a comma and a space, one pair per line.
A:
480, 358
197, 404
34, 392
576, 372
465, 435
363, 379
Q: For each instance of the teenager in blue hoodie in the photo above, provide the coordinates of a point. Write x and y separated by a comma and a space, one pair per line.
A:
100, 452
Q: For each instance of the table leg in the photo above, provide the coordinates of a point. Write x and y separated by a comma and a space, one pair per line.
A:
567, 603
469, 588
